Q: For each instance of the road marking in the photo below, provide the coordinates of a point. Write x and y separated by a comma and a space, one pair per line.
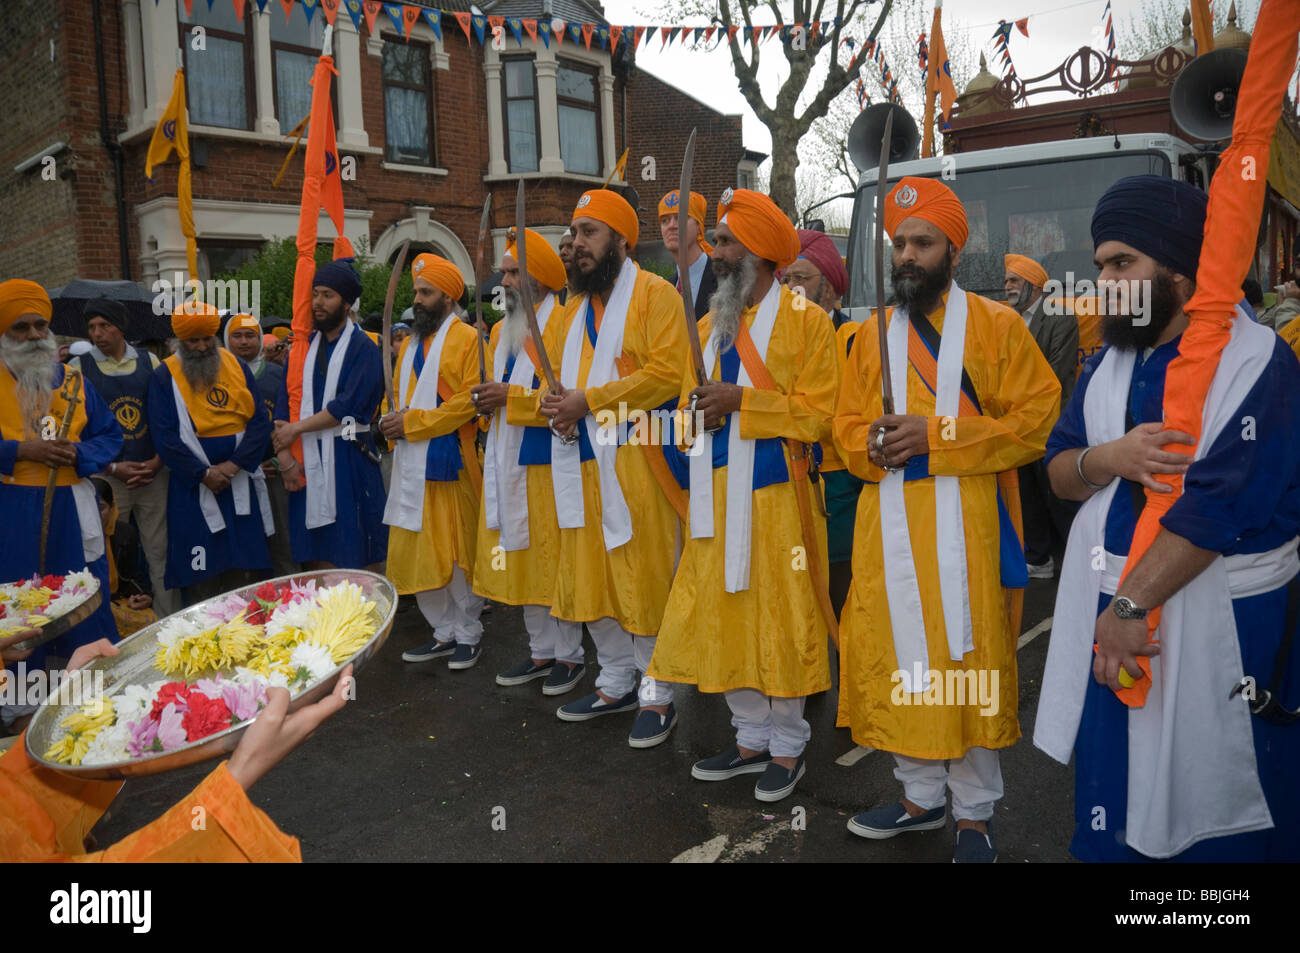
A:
755, 843
706, 853
1034, 633
853, 756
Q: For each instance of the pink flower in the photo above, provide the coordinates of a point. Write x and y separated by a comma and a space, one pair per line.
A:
212, 687
171, 730
300, 591
144, 737
244, 701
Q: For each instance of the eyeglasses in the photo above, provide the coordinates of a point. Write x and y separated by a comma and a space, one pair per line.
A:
794, 278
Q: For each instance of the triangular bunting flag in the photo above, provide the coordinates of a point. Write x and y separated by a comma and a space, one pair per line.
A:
394, 11
587, 30
616, 33
239, 9
557, 28
480, 25
434, 19
1023, 26
261, 5
286, 4
371, 8
354, 12
410, 15
749, 34
309, 7
498, 25
637, 33
530, 27
517, 28
666, 35
812, 31
785, 33
708, 33
602, 32
462, 18
731, 33
189, 7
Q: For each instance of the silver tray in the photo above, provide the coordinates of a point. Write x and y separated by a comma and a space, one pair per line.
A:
134, 665
63, 623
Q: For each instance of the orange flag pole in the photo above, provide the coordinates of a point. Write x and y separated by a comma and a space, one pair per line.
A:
1231, 221
313, 183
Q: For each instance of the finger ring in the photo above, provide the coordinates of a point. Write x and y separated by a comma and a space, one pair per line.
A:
880, 439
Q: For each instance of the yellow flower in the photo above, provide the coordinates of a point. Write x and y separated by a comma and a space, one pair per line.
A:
82, 727
37, 598
343, 621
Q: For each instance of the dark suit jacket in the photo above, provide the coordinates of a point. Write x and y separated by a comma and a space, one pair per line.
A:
1058, 338
708, 285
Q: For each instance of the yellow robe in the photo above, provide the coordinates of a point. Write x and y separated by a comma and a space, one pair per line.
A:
425, 560
1020, 397
525, 576
843, 334
631, 583
45, 817
771, 636
1291, 334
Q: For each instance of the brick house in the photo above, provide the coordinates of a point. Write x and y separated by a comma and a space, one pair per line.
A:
426, 125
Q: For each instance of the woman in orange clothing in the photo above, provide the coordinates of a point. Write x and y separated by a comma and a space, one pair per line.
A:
47, 816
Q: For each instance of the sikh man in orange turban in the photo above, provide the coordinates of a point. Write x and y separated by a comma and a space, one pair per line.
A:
32, 406
698, 251
744, 617
1046, 516
432, 510
212, 432
619, 350
518, 547
927, 637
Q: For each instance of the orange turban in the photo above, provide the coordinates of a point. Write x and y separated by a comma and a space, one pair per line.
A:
930, 201
440, 273
195, 319
606, 205
18, 296
759, 225
543, 261
1026, 268
240, 322
697, 210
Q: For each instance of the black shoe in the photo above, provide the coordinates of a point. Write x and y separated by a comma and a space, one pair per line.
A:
429, 651
729, 764
778, 782
563, 678
525, 672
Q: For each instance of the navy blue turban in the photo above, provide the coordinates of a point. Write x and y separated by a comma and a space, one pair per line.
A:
341, 277
1158, 216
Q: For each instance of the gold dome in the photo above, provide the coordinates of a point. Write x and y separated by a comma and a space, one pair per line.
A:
1184, 44
984, 80
1231, 37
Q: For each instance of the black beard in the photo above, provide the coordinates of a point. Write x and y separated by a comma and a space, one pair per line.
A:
919, 290
425, 322
1119, 331
330, 322
601, 278
200, 369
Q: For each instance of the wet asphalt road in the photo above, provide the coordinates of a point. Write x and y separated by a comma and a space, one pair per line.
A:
429, 764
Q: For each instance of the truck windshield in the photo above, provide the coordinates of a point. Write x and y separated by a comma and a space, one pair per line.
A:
1041, 209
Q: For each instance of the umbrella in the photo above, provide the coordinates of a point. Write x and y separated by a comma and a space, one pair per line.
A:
144, 323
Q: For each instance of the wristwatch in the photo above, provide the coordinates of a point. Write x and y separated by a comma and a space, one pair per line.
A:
1126, 608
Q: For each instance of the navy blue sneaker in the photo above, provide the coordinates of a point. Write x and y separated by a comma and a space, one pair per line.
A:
429, 651
593, 706
974, 847
729, 764
525, 672
652, 728
892, 820
465, 656
778, 782
563, 678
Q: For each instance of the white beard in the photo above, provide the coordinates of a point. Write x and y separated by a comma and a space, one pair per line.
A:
32, 365
728, 301
514, 329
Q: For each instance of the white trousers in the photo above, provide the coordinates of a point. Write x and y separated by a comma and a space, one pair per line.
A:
552, 638
453, 610
975, 781
621, 654
763, 723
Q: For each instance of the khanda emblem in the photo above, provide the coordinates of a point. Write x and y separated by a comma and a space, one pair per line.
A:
219, 397
330, 163
169, 130
673, 199
906, 197
128, 415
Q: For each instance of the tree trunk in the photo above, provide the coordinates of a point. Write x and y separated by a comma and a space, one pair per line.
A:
785, 162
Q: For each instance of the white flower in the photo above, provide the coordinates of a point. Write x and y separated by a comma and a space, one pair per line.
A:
277, 679
109, 746
83, 578
314, 658
177, 627
295, 615
135, 700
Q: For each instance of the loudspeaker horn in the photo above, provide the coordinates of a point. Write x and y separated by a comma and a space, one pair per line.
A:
868, 129
1204, 96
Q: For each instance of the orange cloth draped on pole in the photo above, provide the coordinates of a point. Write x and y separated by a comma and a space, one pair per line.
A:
938, 79
322, 187
1203, 27
45, 817
172, 132
1231, 224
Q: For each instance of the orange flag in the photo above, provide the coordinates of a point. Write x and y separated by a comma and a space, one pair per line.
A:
938, 79
1235, 205
1203, 26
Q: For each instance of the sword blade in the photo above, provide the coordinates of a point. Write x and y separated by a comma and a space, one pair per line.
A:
683, 267
387, 330
478, 287
886, 382
526, 292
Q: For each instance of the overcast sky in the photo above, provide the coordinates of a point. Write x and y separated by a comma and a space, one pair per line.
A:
1056, 29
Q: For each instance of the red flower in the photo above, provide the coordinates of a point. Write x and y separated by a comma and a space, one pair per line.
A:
52, 582
255, 613
286, 595
206, 716
177, 692
3, 610
266, 593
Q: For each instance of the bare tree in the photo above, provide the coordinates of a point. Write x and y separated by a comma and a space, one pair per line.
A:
1159, 23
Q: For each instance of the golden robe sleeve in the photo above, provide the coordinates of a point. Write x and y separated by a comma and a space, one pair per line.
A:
859, 404
804, 413
1020, 399
523, 405
656, 343
46, 817
459, 368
